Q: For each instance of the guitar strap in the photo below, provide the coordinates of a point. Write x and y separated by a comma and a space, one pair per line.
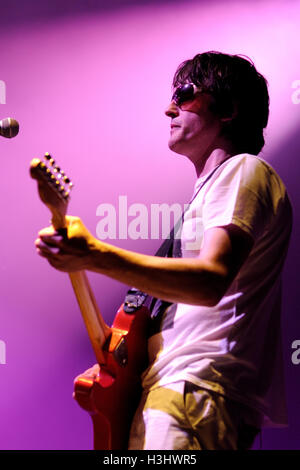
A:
170, 248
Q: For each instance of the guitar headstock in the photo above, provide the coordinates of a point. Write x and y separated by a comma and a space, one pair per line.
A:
54, 187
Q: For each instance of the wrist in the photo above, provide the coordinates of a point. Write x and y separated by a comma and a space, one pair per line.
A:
98, 255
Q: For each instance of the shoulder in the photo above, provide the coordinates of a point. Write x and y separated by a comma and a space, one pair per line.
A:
252, 172
247, 163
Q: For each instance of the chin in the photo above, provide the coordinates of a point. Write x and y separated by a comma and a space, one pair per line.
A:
177, 148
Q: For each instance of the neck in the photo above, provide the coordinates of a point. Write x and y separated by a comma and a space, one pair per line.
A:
205, 165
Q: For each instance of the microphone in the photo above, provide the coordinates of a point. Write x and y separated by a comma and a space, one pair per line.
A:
9, 127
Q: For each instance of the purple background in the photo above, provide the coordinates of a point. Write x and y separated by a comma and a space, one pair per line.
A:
89, 82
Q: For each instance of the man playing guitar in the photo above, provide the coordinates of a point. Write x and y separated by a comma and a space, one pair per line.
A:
211, 380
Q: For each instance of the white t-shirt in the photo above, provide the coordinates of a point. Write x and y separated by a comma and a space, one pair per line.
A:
233, 348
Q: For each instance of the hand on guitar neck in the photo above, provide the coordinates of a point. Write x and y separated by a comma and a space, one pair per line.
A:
69, 249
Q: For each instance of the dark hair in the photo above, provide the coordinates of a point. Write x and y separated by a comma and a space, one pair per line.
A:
239, 91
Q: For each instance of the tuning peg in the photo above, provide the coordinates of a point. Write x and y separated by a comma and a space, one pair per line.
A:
58, 173
56, 176
49, 158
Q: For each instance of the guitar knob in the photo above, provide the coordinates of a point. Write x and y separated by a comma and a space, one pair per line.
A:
56, 169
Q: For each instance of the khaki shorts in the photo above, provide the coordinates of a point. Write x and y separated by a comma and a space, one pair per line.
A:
182, 416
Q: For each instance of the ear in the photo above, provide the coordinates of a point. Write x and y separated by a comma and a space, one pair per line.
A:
227, 119
232, 116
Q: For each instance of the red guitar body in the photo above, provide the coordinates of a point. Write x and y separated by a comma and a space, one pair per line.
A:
112, 398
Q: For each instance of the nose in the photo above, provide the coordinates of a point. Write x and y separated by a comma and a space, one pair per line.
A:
172, 110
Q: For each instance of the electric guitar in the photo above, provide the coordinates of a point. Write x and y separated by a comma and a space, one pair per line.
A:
121, 350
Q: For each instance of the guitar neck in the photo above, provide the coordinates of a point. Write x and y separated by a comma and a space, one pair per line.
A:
54, 188
97, 329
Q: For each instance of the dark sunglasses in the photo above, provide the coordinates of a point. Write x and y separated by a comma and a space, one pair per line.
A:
184, 93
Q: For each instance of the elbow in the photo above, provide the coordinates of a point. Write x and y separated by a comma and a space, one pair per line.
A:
210, 300
210, 294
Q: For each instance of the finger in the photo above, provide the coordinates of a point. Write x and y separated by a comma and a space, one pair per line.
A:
45, 249
51, 239
46, 254
51, 236
93, 372
48, 231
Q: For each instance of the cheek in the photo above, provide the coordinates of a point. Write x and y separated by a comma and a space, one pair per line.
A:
197, 120
201, 108
193, 107
193, 124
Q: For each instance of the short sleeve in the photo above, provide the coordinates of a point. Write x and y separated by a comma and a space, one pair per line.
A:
240, 193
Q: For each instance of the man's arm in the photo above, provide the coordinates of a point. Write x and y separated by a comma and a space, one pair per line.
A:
200, 281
